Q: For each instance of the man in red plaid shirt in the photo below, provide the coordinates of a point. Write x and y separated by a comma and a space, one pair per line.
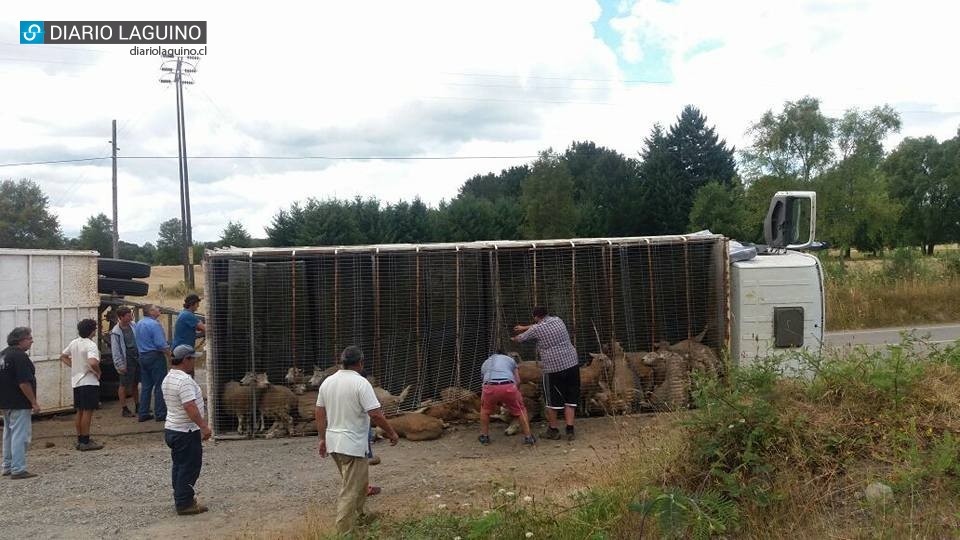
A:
561, 368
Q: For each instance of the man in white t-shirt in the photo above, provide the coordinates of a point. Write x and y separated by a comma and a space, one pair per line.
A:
83, 357
184, 428
345, 406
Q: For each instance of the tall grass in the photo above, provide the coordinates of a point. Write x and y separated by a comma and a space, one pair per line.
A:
904, 288
765, 455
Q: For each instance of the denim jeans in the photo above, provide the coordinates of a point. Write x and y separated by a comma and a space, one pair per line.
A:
186, 450
17, 431
153, 368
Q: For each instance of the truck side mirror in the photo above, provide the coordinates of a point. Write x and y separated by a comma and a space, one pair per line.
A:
784, 222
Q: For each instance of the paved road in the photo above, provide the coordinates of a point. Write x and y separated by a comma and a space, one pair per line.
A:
940, 333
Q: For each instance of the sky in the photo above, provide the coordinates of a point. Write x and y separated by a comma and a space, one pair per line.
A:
489, 83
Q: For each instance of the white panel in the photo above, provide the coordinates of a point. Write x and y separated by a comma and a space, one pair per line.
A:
45, 280
50, 300
13, 280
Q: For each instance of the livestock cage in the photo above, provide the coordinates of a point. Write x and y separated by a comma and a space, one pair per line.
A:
427, 316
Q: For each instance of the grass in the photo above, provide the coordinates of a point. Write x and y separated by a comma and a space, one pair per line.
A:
902, 289
765, 455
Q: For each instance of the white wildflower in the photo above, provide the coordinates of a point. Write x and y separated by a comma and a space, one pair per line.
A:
436, 495
730, 426
529, 534
501, 491
509, 494
527, 498
441, 506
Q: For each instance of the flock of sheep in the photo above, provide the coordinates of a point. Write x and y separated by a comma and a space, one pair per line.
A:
613, 382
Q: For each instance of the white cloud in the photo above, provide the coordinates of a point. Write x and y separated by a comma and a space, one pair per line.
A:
428, 79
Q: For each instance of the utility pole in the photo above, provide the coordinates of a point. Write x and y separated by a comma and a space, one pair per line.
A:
186, 229
116, 230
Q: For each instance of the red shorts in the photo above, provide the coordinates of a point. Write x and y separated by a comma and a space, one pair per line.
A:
507, 395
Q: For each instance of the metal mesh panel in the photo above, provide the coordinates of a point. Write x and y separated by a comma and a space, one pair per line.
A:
428, 316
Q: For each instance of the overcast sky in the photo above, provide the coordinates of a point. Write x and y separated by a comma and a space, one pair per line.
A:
435, 79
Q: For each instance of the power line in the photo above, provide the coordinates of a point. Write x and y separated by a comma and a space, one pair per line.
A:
500, 76
278, 158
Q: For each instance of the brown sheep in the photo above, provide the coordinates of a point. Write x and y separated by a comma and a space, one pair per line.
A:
389, 402
416, 426
530, 371
320, 374
671, 376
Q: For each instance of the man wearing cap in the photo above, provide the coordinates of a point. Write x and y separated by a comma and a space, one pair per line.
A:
345, 406
185, 331
184, 429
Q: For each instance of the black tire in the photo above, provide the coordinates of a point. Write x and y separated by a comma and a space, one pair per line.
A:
123, 269
121, 287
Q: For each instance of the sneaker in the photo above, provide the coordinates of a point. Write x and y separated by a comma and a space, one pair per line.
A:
145, 418
5, 473
21, 475
570, 434
375, 460
529, 441
551, 433
192, 510
86, 447
484, 440
126, 413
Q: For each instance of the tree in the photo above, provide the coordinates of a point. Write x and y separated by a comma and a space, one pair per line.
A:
794, 143
170, 243
547, 199
97, 235
721, 209
606, 190
405, 222
677, 164
285, 227
234, 235
855, 206
132, 252
25, 221
495, 186
924, 176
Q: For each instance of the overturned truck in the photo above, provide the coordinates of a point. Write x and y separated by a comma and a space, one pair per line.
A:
427, 316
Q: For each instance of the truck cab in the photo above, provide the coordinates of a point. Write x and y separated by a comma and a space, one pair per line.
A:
777, 300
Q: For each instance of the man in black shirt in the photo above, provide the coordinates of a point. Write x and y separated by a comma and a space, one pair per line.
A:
18, 399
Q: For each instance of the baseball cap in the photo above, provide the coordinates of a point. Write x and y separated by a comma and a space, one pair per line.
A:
183, 351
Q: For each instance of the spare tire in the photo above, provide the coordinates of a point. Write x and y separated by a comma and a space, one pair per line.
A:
123, 269
121, 287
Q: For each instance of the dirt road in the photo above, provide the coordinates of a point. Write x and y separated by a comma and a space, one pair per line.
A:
265, 488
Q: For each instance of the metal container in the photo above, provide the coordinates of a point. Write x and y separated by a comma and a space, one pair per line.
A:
48, 291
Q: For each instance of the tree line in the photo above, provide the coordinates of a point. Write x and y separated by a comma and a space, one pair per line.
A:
684, 178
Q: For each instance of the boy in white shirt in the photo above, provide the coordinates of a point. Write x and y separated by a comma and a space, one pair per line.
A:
83, 357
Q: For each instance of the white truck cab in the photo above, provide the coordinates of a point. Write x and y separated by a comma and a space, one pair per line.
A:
777, 298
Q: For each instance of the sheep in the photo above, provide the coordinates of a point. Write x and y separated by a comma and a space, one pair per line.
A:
275, 402
416, 426
619, 394
671, 377
466, 400
389, 402
530, 371
700, 357
294, 377
238, 400
320, 374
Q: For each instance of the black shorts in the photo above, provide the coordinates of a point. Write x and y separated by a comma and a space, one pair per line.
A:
131, 378
562, 388
86, 397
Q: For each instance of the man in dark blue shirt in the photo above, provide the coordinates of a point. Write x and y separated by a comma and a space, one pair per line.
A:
185, 331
